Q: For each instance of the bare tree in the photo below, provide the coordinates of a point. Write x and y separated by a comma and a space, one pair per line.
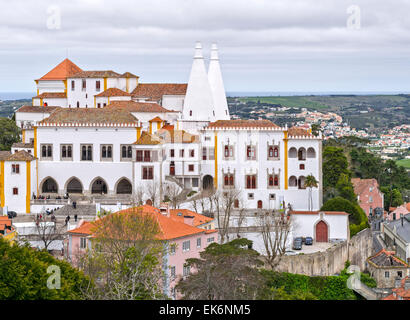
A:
171, 192
274, 228
195, 205
224, 202
139, 195
153, 192
125, 259
241, 217
47, 231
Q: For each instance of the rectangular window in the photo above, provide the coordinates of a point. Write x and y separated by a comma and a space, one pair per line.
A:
186, 245
191, 168
192, 153
46, 151
15, 191
15, 168
172, 153
83, 243
106, 152
212, 153
204, 153
147, 173
250, 196
126, 153
173, 272
98, 86
186, 271
98, 105
172, 248
66, 152
72, 85
198, 242
229, 180
228, 152
370, 199
209, 240
250, 153
86, 152
250, 181
400, 274
181, 153
387, 274
84, 85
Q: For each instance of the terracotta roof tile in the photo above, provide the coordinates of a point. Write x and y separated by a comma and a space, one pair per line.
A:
360, 185
95, 74
86, 115
156, 119
22, 145
147, 139
21, 155
155, 91
170, 228
385, 258
61, 72
297, 132
37, 109
4, 155
113, 92
133, 106
51, 95
199, 219
231, 124
128, 75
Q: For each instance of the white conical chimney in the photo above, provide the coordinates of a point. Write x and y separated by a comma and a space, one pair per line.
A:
198, 103
217, 86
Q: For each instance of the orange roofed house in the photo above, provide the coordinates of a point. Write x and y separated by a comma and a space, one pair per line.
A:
368, 194
186, 233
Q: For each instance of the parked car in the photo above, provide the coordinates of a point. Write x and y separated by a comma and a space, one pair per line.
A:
297, 244
11, 214
308, 241
290, 253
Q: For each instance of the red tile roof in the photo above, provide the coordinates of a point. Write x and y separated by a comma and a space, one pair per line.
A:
170, 228
199, 219
95, 74
297, 132
113, 92
231, 124
360, 185
133, 106
156, 119
61, 72
37, 109
400, 291
147, 139
385, 258
21, 155
86, 115
317, 212
51, 95
128, 75
155, 91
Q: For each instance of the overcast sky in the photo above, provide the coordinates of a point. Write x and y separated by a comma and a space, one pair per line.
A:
277, 45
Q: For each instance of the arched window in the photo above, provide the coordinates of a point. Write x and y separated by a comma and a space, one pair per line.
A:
311, 153
78, 104
69, 152
260, 204
293, 153
89, 155
236, 203
64, 152
270, 181
129, 152
124, 151
276, 152
104, 152
48, 151
226, 151
231, 180
301, 182
109, 152
302, 154
270, 152
44, 151
276, 181
226, 180
293, 181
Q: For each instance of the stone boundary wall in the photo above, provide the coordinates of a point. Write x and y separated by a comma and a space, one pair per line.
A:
331, 261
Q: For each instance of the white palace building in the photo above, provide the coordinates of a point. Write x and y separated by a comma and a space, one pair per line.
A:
105, 134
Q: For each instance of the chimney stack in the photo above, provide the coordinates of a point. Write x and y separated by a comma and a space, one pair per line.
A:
164, 209
189, 220
402, 219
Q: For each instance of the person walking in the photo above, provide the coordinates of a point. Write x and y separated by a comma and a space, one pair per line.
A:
75, 217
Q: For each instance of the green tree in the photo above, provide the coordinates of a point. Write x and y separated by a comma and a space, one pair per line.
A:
315, 129
310, 182
224, 271
334, 164
357, 217
345, 188
9, 133
23, 275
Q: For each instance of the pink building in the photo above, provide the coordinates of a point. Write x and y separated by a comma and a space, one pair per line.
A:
368, 194
396, 213
185, 233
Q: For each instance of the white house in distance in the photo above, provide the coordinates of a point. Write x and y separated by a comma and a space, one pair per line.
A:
104, 134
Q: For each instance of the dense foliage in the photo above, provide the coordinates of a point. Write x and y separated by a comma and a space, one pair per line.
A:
9, 133
357, 217
23, 275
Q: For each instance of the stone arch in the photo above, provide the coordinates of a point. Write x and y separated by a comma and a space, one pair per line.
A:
207, 182
98, 186
321, 231
260, 204
74, 185
123, 186
49, 185
293, 181
293, 153
311, 153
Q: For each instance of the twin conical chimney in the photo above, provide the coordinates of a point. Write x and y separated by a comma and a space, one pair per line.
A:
217, 86
198, 103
